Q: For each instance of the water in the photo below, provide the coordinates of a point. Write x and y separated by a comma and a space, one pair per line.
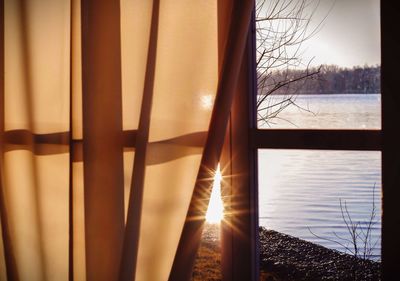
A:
341, 111
300, 191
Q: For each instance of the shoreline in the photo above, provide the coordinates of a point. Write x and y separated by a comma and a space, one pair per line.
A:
291, 258
284, 257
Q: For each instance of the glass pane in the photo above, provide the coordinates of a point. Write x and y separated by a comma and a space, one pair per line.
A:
328, 198
318, 64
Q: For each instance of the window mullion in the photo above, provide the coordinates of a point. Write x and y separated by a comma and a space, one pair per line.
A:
318, 139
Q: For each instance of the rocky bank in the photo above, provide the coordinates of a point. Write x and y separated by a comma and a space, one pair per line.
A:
286, 258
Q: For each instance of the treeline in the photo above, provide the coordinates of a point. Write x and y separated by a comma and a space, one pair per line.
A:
328, 79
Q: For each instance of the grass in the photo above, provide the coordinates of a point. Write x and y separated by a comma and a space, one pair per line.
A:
208, 261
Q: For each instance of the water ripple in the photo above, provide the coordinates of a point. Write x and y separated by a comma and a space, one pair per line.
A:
301, 190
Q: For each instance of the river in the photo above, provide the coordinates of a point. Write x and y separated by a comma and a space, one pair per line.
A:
305, 193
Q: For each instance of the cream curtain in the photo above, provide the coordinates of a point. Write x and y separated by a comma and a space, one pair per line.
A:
105, 111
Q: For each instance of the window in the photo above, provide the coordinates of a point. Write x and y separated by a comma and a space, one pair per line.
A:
240, 255
362, 139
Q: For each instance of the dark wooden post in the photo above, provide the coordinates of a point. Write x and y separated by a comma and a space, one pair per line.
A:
391, 140
240, 227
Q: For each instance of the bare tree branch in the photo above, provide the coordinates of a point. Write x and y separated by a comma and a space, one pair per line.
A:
282, 28
360, 232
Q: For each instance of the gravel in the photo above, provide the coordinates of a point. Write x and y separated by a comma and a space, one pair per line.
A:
284, 257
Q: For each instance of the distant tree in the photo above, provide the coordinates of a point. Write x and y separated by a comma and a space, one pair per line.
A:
331, 79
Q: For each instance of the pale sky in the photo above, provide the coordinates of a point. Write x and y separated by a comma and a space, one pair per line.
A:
350, 35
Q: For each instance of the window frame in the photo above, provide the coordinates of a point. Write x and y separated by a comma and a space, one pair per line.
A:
385, 140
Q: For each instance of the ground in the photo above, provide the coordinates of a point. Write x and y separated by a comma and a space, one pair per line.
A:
208, 262
286, 258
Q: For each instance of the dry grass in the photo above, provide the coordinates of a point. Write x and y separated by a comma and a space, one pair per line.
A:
208, 265
208, 262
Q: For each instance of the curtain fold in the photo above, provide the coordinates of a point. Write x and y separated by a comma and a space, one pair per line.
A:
131, 237
36, 107
106, 114
102, 138
233, 41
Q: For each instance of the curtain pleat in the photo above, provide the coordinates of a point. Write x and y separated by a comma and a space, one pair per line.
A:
7, 259
77, 254
135, 23
132, 230
195, 217
102, 138
36, 108
105, 118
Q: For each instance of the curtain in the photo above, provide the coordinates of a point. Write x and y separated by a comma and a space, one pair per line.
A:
108, 110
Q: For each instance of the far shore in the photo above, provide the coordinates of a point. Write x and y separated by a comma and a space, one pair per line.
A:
321, 94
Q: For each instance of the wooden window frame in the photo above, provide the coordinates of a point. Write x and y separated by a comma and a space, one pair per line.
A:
386, 140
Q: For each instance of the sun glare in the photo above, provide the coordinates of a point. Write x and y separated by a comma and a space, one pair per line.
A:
207, 102
215, 211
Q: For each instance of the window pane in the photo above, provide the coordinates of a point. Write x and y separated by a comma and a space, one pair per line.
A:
318, 64
319, 196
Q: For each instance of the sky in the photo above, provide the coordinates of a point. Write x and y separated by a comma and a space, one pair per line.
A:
349, 36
